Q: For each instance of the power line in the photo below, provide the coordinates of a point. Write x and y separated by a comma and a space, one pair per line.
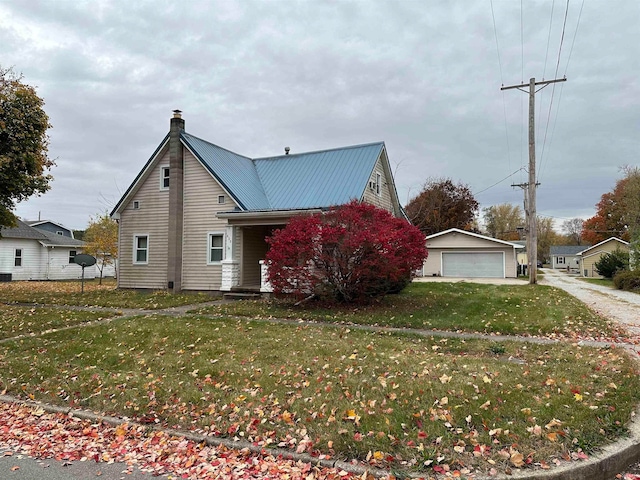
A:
574, 38
498, 182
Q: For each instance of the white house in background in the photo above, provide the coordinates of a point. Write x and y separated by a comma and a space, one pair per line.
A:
566, 257
462, 254
28, 253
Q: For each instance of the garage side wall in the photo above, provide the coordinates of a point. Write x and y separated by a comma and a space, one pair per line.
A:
465, 244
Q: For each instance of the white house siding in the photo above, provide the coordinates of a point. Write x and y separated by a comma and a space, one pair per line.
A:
460, 243
59, 267
152, 219
34, 257
201, 193
384, 199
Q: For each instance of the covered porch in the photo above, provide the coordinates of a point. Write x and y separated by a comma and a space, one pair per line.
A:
243, 268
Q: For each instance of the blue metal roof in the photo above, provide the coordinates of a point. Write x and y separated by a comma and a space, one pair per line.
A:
298, 181
318, 179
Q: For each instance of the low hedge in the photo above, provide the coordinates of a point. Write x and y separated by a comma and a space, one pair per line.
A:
627, 280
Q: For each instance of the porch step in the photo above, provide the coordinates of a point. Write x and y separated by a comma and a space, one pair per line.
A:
241, 296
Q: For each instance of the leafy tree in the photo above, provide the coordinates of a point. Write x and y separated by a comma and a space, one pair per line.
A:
351, 253
101, 237
547, 236
23, 145
610, 218
442, 205
573, 229
612, 263
502, 221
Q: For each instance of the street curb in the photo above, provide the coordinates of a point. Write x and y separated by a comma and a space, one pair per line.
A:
610, 461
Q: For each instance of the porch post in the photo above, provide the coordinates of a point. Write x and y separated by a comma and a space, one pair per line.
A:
230, 264
265, 286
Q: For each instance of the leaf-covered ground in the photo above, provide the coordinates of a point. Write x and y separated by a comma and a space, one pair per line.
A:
105, 295
530, 310
15, 321
389, 401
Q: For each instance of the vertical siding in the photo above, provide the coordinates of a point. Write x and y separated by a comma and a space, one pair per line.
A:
384, 199
201, 193
152, 218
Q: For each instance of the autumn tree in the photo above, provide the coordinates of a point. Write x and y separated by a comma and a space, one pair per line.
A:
101, 237
23, 144
546, 237
503, 221
351, 253
442, 205
612, 216
572, 228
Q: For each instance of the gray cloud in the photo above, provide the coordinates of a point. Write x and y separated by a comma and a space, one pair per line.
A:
256, 76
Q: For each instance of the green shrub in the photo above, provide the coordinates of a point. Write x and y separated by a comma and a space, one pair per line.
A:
611, 263
627, 280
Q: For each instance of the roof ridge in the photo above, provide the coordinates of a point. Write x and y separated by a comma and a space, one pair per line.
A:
348, 147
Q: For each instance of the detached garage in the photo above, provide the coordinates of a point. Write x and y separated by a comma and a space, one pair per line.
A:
456, 253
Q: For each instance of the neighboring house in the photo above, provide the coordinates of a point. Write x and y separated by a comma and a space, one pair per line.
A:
566, 257
196, 216
28, 253
590, 256
521, 254
457, 253
51, 227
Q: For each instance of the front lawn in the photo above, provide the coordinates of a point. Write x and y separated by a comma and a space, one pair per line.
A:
390, 400
105, 295
469, 307
605, 282
16, 321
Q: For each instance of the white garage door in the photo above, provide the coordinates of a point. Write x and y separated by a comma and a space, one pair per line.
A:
486, 264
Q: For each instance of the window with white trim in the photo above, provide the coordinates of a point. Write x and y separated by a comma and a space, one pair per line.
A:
141, 249
560, 260
378, 182
216, 248
72, 256
164, 178
17, 259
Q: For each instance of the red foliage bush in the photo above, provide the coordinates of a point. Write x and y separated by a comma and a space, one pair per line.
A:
350, 253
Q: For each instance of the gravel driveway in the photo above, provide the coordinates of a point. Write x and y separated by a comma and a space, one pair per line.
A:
618, 305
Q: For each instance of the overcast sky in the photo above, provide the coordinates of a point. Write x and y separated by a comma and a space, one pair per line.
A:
254, 77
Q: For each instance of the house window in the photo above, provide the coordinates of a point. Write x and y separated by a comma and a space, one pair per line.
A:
141, 249
216, 247
136, 205
164, 178
220, 199
17, 259
378, 182
560, 260
72, 256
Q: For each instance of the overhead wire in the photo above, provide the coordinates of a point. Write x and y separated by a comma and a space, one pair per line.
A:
553, 90
498, 182
544, 68
504, 103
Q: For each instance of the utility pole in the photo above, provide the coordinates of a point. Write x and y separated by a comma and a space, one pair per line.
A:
532, 235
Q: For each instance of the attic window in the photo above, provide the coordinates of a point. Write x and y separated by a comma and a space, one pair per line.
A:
378, 182
59, 232
164, 178
136, 204
221, 199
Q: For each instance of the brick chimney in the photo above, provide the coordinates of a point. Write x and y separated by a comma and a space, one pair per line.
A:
176, 203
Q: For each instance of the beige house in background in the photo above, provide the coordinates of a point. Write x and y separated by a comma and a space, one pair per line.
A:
462, 254
196, 216
590, 256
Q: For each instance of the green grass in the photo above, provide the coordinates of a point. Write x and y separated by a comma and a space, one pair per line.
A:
105, 295
605, 282
400, 400
16, 321
500, 309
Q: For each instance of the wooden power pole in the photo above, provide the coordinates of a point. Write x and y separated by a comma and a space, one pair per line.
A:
532, 233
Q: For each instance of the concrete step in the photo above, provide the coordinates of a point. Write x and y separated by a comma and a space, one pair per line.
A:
241, 296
